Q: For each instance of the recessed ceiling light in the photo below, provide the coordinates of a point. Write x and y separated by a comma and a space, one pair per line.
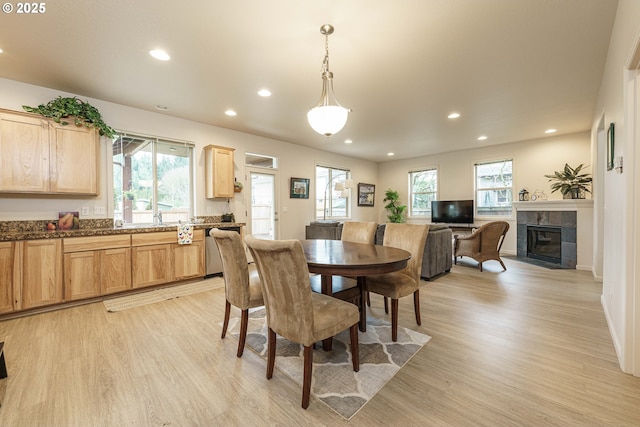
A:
231, 113
453, 115
264, 92
159, 54
550, 131
482, 138
162, 107
391, 154
348, 141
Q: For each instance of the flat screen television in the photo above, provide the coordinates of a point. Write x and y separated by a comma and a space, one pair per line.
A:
452, 211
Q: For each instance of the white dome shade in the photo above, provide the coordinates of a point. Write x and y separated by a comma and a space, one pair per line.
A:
327, 119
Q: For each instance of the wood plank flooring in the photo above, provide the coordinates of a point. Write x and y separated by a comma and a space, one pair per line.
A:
525, 347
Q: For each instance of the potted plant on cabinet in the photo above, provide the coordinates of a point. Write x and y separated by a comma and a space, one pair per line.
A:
396, 210
571, 183
82, 113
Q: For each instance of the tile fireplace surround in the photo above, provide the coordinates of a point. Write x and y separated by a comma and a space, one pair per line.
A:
575, 217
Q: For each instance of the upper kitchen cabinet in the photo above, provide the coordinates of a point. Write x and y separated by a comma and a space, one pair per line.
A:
218, 169
38, 155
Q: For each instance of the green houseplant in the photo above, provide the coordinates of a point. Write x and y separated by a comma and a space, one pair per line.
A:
571, 182
83, 114
396, 210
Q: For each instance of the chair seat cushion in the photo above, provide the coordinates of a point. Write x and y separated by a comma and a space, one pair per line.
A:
392, 285
331, 316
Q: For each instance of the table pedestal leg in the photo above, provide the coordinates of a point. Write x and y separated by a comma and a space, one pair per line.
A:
325, 283
362, 285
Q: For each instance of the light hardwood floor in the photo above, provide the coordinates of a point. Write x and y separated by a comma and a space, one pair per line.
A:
525, 347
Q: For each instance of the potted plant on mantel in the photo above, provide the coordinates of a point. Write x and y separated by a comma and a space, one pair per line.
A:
571, 183
396, 210
80, 112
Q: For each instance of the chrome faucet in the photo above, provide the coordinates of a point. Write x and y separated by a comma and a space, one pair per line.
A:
159, 216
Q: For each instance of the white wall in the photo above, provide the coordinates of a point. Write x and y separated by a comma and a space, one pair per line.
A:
294, 161
531, 161
619, 214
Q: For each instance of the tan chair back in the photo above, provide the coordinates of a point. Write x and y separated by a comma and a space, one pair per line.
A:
492, 235
286, 287
359, 232
234, 265
411, 238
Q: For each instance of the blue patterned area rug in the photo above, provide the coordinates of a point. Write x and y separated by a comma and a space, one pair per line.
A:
334, 381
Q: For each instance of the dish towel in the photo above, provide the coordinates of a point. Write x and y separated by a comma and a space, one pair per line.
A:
185, 234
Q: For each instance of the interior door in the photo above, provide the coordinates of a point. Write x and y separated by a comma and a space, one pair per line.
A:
263, 215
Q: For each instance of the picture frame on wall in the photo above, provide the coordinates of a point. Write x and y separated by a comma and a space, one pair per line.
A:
299, 188
610, 146
366, 194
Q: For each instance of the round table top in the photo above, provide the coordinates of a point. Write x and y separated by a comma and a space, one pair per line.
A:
337, 257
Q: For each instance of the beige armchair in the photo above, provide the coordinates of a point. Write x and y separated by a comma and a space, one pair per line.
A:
410, 237
483, 244
293, 311
241, 282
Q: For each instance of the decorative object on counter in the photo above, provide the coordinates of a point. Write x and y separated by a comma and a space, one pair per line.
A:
610, 147
571, 183
68, 220
299, 188
396, 210
523, 195
538, 195
237, 187
81, 112
51, 226
366, 194
228, 217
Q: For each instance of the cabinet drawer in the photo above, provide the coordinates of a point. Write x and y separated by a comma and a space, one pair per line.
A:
77, 244
162, 237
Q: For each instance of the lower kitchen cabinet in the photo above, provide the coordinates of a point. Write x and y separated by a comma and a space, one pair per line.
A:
95, 266
41, 273
151, 264
188, 260
8, 279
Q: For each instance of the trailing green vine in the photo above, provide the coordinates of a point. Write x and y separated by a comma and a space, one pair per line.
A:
83, 113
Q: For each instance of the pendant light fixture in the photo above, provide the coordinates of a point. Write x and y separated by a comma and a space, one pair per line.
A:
328, 117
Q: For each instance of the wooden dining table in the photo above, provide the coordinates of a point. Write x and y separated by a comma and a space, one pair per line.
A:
339, 258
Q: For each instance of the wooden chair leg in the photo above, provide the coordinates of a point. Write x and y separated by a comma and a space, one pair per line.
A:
244, 322
502, 264
416, 305
355, 355
306, 382
271, 353
368, 299
386, 306
225, 323
480, 267
394, 319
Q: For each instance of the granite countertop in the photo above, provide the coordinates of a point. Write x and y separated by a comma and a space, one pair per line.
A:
14, 233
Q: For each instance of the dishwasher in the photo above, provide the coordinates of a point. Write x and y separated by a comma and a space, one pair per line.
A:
214, 263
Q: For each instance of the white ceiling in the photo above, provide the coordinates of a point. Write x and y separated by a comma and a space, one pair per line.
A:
512, 68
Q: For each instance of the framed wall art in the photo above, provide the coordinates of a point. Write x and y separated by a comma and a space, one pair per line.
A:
299, 188
366, 194
610, 147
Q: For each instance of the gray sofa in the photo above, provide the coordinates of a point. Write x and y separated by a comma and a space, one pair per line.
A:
438, 250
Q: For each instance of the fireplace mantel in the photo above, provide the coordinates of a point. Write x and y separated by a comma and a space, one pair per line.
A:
554, 205
584, 224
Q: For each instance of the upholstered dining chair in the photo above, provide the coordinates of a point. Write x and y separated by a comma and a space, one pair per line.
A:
359, 232
241, 281
483, 244
410, 237
293, 311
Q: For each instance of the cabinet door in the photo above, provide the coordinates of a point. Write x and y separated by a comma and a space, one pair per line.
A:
41, 272
24, 154
7, 282
218, 171
116, 270
188, 260
74, 159
81, 275
151, 265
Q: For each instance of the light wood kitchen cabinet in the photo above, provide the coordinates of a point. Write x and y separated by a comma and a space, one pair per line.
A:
96, 265
218, 169
157, 258
38, 155
41, 272
8, 276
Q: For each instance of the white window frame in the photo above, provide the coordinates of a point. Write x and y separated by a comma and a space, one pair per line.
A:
413, 192
336, 174
482, 188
